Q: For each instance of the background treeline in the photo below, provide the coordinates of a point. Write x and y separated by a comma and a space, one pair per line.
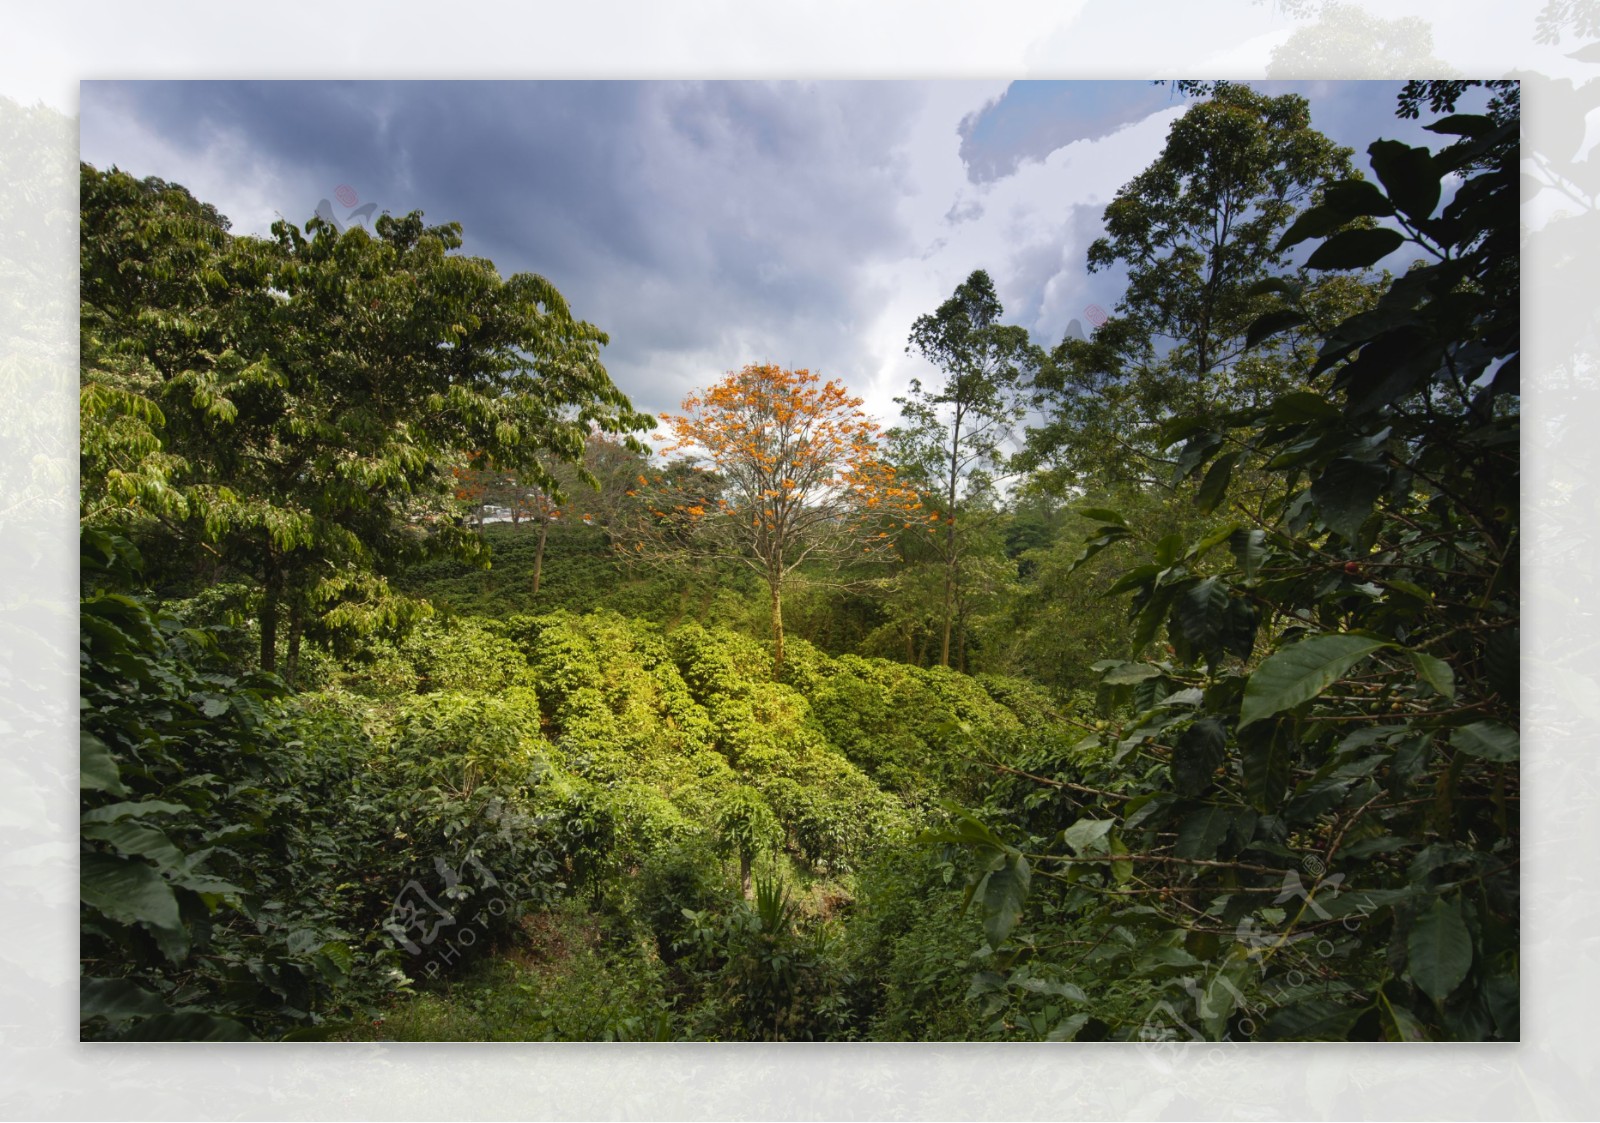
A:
1171, 692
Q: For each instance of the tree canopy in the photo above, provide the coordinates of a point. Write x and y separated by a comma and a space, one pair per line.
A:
1198, 234
785, 469
1199, 721
960, 428
288, 410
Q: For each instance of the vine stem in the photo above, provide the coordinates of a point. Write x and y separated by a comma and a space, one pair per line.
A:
1053, 783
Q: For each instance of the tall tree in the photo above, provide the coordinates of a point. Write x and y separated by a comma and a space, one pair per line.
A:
1335, 715
958, 429
290, 408
779, 469
1198, 232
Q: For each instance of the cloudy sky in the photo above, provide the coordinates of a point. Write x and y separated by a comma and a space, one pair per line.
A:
706, 225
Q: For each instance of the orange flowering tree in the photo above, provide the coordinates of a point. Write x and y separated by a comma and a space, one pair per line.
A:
775, 469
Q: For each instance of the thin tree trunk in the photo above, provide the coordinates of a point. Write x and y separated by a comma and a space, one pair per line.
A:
269, 627
950, 537
777, 630
291, 665
949, 598
538, 555
746, 881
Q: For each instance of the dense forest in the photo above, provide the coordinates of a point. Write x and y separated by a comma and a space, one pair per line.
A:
1155, 684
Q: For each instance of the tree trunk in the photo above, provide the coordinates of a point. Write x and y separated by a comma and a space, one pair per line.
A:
949, 599
291, 663
538, 555
746, 882
950, 537
777, 630
961, 644
269, 627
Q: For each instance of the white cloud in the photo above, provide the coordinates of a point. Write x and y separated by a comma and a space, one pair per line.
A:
227, 172
1032, 238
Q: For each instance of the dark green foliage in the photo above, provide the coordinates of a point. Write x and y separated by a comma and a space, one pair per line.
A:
289, 411
766, 975
1199, 234
247, 857
196, 787
1259, 777
582, 572
1317, 819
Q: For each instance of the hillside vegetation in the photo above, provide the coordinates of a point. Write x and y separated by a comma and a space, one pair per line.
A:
1206, 729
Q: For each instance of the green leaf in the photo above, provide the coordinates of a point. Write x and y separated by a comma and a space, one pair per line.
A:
1202, 832
1223, 992
1281, 286
1487, 740
1102, 515
1400, 1023
1122, 872
1502, 994
136, 840
1169, 548
1270, 324
1215, 486
1264, 764
1439, 949
1165, 959
1107, 535
1004, 891
1169, 433
1085, 833
1409, 175
133, 809
1387, 369
1436, 673
1357, 198
1301, 672
97, 768
1300, 407
1201, 614
188, 1027
1196, 756
1314, 222
1138, 575
1209, 542
1315, 1020
1128, 673
116, 1000
1239, 628
128, 890
985, 982
1067, 1028
1250, 549
1462, 124
1345, 493
1355, 249
1196, 451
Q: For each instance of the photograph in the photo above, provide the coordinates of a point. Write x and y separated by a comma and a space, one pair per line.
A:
959, 560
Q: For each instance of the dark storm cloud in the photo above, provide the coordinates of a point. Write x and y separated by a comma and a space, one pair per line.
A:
1033, 119
689, 221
